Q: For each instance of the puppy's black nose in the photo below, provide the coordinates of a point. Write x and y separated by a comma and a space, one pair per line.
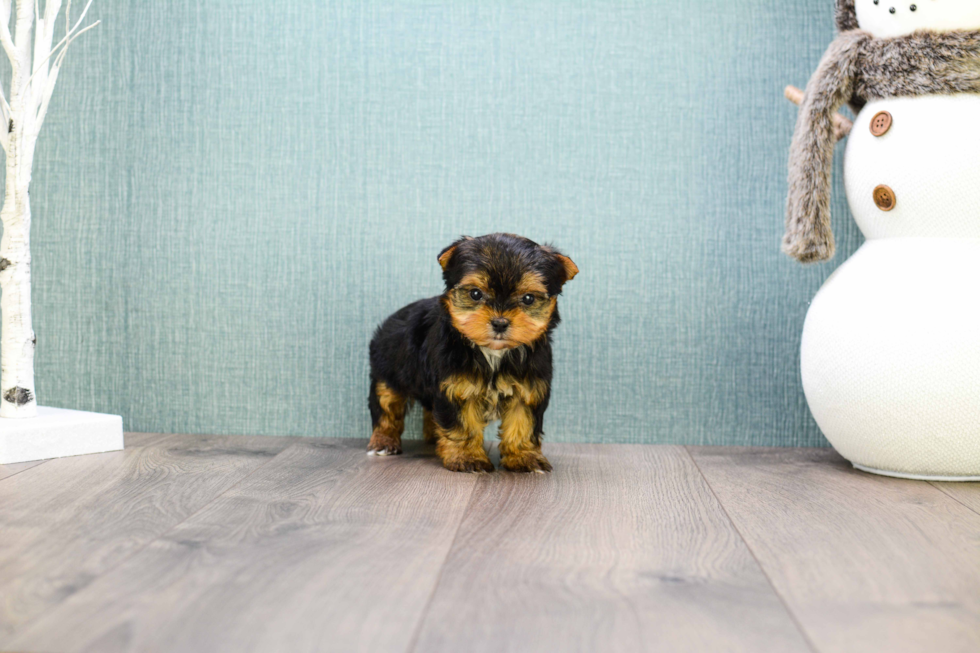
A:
500, 324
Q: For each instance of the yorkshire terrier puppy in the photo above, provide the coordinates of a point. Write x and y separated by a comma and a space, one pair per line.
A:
480, 351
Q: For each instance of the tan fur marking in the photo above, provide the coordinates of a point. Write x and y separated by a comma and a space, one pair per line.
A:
461, 448
462, 388
531, 282
518, 451
387, 434
516, 429
481, 402
570, 268
478, 279
527, 326
474, 324
447, 255
531, 392
473, 416
463, 455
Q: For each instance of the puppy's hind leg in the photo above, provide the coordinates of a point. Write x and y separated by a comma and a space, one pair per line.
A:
429, 427
388, 417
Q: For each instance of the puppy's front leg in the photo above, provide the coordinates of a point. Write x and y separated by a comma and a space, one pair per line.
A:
520, 441
460, 445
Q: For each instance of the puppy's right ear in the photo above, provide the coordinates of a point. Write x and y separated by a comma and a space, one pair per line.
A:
446, 255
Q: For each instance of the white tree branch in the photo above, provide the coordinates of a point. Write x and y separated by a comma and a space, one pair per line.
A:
4, 106
64, 50
8, 46
5, 38
51, 9
21, 100
5, 19
22, 46
41, 50
42, 110
44, 77
70, 36
4, 133
53, 77
24, 26
80, 18
4, 110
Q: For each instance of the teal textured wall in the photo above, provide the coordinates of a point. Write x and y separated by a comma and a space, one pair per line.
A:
230, 195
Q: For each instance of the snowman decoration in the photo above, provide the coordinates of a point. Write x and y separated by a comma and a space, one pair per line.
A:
891, 345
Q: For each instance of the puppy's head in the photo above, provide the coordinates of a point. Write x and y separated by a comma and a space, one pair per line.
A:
502, 290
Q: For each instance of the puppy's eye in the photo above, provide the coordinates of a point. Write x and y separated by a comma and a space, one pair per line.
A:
527, 300
476, 295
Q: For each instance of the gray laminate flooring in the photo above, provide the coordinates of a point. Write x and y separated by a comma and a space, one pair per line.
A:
207, 543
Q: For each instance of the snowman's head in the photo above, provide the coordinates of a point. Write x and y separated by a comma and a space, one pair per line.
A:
888, 18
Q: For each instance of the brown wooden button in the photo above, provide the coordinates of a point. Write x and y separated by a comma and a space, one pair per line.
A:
881, 123
885, 198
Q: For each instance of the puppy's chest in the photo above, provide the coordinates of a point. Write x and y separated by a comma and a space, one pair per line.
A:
496, 395
488, 395
492, 396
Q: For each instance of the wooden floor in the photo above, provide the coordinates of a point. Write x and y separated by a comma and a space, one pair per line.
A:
198, 543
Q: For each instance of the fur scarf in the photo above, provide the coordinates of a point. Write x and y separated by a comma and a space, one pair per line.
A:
856, 69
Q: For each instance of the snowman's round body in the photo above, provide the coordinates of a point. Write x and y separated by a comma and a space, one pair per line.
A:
891, 345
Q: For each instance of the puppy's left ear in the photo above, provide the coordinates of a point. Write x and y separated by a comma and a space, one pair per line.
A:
567, 264
446, 255
570, 268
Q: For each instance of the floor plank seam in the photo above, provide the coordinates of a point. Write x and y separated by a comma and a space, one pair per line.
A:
954, 497
413, 642
22, 471
24, 626
782, 599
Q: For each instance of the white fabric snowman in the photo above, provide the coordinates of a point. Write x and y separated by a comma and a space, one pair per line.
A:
891, 344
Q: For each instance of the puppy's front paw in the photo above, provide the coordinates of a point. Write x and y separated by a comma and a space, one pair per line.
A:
530, 461
471, 465
383, 444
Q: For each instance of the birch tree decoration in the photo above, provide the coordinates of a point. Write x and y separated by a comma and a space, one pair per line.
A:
35, 65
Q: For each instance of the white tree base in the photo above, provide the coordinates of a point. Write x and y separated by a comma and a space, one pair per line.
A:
917, 477
56, 433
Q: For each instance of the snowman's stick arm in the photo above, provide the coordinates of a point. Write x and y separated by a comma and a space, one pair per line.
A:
842, 126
